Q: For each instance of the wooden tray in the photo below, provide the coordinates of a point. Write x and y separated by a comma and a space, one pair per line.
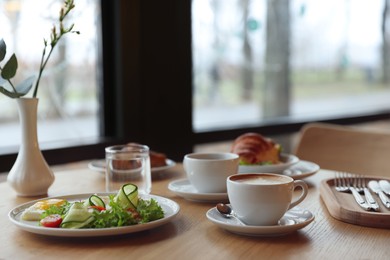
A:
342, 206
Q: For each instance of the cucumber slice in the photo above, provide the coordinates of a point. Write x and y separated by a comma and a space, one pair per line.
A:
131, 192
95, 200
127, 196
77, 224
78, 216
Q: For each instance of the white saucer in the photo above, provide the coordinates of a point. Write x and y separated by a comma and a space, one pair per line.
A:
100, 166
293, 220
291, 166
184, 189
301, 170
287, 160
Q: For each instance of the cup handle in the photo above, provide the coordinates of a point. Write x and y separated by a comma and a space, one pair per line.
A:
303, 185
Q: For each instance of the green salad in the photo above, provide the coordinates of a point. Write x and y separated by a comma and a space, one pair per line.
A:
123, 209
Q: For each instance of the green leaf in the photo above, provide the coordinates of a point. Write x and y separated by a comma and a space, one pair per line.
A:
149, 210
9, 93
24, 87
10, 68
3, 49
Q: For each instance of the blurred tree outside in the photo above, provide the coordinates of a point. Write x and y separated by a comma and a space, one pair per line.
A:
385, 30
247, 68
278, 59
277, 87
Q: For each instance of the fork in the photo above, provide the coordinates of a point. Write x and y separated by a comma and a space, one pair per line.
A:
362, 188
344, 183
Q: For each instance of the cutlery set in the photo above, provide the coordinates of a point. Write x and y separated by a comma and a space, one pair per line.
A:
356, 184
380, 188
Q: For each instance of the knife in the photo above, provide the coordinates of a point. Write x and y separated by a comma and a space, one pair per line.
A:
359, 199
385, 186
375, 187
370, 199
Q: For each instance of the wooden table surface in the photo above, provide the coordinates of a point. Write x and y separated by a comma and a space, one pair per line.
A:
190, 235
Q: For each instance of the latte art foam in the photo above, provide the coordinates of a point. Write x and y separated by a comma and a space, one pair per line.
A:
261, 180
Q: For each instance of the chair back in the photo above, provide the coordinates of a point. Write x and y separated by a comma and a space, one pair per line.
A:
344, 148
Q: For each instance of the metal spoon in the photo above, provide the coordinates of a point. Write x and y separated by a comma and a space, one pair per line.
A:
375, 187
227, 212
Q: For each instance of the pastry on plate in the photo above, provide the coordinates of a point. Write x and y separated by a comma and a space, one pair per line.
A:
254, 148
157, 159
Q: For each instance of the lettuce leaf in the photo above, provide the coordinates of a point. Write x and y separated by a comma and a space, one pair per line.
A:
149, 210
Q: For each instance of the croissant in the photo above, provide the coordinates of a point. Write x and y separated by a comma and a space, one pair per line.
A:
253, 148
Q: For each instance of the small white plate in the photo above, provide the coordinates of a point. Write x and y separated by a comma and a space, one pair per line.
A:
100, 166
301, 170
170, 208
184, 189
293, 220
287, 160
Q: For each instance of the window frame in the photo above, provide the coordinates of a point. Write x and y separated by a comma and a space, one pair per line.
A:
145, 92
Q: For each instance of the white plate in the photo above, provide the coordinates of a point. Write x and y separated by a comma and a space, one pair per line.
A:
184, 189
301, 170
287, 161
293, 220
100, 166
170, 208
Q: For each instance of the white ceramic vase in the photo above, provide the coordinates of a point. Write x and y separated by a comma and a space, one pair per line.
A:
30, 175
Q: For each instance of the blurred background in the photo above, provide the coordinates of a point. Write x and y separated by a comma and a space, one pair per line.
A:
68, 90
253, 62
263, 61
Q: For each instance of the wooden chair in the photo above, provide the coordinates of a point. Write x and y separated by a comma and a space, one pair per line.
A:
343, 148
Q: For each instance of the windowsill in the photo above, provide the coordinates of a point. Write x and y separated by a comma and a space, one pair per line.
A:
62, 152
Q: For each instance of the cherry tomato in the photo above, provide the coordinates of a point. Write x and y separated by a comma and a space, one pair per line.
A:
100, 208
135, 214
51, 221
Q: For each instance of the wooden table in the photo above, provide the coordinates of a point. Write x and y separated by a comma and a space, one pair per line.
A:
190, 235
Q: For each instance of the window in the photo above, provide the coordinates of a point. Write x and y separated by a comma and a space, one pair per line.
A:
160, 60
259, 62
68, 101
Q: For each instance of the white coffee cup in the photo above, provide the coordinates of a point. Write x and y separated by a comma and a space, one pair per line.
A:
208, 172
261, 199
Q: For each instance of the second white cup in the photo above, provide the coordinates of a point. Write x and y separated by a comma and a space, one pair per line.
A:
261, 199
208, 172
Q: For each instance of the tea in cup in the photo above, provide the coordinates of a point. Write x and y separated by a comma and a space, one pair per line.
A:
208, 172
261, 199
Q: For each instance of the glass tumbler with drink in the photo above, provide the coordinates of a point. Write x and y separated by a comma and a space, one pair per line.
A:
128, 163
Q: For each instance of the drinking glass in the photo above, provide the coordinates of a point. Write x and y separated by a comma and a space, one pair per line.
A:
128, 163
